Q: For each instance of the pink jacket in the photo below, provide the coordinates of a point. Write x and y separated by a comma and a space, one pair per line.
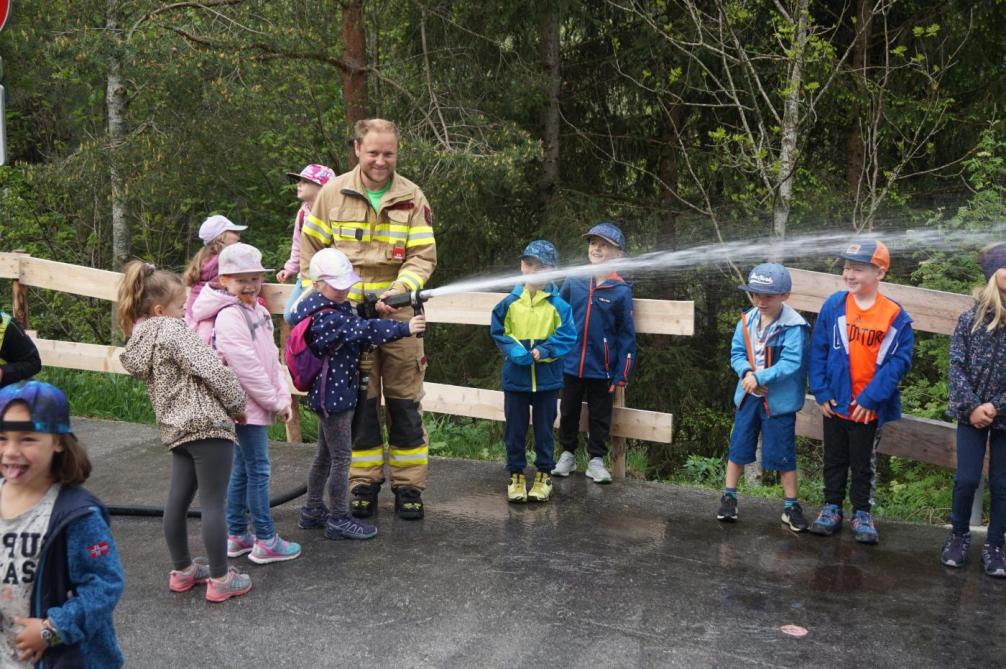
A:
293, 264
207, 275
243, 337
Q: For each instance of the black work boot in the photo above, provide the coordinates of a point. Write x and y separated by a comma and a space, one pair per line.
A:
408, 503
364, 502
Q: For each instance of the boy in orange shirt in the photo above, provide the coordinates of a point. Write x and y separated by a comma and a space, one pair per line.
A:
861, 348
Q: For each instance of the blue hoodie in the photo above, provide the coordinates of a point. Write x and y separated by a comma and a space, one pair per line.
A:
340, 334
521, 323
78, 583
605, 330
785, 374
830, 375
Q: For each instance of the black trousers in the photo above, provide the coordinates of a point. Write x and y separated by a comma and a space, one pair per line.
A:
850, 446
599, 403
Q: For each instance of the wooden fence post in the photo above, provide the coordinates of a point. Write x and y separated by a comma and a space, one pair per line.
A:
618, 443
293, 428
19, 295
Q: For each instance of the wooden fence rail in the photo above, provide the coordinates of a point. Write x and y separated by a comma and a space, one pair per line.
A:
652, 317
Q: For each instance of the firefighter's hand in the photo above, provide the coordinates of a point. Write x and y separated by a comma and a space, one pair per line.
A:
381, 307
748, 383
826, 409
283, 275
417, 324
29, 640
536, 354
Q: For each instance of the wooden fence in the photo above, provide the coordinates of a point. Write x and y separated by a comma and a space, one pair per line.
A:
652, 316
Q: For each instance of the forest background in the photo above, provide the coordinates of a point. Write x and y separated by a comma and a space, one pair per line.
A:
130, 121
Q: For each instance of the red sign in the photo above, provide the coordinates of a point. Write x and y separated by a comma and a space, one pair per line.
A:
4, 12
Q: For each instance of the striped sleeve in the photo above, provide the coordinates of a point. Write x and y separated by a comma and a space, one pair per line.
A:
420, 248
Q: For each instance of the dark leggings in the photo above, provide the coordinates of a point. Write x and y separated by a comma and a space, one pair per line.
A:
971, 443
203, 465
331, 463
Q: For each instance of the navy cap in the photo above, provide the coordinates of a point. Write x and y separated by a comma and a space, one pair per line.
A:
768, 278
543, 252
609, 232
50, 411
870, 251
992, 258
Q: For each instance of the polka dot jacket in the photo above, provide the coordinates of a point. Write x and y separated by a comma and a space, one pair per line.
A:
341, 335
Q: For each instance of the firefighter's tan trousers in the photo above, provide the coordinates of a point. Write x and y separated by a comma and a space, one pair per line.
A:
398, 372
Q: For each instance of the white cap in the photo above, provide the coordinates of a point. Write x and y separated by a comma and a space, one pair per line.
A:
214, 226
333, 267
241, 259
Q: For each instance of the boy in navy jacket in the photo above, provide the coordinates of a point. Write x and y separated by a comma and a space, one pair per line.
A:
861, 348
603, 356
533, 327
769, 355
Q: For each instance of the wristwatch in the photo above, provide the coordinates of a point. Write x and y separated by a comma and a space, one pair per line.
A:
49, 634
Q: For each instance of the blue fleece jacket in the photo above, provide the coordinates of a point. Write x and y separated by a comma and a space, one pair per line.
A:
786, 343
337, 332
78, 583
605, 330
522, 322
830, 375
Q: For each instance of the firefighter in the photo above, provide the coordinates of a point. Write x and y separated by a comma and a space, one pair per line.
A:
383, 223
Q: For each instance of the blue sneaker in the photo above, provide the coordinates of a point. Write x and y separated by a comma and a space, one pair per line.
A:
828, 521
862, 526
348, 527
994, 560
312, 517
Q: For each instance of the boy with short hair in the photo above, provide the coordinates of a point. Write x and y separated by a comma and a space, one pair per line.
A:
769, 354
604, 354
533, 327
861, 349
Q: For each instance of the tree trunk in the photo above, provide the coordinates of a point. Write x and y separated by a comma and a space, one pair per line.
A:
116, 105
860, 61
354, 78
548, 189
790, 123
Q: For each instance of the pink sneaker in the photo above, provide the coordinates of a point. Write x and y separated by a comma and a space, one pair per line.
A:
274, 550
231, 585
238, 545
183, 581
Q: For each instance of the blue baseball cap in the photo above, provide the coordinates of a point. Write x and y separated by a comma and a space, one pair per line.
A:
609, 232
869, 251
49, 408
768, 278
542, 251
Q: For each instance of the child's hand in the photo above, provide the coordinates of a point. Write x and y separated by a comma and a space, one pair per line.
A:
825, 408
283, 275
29, 640
861, 414
241, 418
417, 324
748, 383
983, 415
536, 354
286, 415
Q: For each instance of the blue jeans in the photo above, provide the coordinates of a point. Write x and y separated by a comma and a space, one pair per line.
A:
543, 409
970, 460
298, 290
248, 491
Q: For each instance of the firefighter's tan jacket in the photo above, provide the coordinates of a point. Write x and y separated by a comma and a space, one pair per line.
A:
389, 248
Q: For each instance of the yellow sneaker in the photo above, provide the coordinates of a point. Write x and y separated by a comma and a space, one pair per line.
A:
517, 490
541, 489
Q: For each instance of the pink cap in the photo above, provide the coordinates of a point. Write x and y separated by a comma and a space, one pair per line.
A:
333, 267
214, 226
241, 259
318, 174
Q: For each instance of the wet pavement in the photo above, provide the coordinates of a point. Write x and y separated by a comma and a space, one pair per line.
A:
632, 574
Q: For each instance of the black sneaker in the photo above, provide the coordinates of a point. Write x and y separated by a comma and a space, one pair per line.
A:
728, 509
994, 560
408, 503
955, 549
793, 517
364, 502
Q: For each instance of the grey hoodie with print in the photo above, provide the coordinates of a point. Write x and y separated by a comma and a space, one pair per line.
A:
194, 395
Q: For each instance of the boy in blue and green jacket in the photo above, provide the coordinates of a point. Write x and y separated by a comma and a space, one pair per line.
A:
533, 327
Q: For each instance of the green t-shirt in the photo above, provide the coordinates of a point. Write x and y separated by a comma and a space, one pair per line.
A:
375, 195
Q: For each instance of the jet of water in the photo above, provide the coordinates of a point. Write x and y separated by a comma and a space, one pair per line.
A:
742, 252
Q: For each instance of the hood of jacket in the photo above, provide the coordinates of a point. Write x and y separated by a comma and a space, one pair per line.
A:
211, 301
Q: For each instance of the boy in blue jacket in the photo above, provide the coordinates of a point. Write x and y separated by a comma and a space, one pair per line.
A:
769, 354
604, 354
861, 348
533, 327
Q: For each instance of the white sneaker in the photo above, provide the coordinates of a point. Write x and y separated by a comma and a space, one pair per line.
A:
596, 471
566, 464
